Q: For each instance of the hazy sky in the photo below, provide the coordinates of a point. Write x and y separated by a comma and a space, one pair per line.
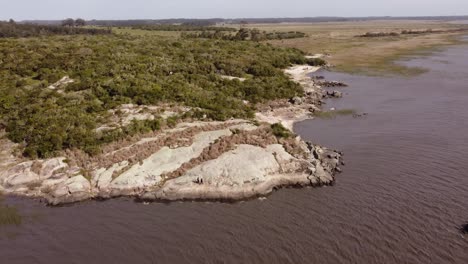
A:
157, 9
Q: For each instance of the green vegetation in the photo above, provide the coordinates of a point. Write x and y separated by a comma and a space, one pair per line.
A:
244, 34
278, 35
12, 29
110, 70
150, 22
280, 131
141, 32
70, 22
182, 27
9, 215
335, 113
410, 32
316, 62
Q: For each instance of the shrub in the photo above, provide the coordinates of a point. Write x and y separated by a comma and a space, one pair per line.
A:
31, 30
280, 131
110, 70
316, 62
171, 121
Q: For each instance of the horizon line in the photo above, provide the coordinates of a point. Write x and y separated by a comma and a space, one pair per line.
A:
251, 18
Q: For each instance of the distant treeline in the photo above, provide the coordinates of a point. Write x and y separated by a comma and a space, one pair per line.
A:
12, 29
410, 32
183, 27
337, 19
150, 22
428, 31
214, 21
246, 34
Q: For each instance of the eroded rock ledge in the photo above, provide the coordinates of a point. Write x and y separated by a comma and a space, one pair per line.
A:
232, 160
237, 162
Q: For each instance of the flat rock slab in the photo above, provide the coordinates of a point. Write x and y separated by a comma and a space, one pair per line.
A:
238, 174
74, 189
148, 173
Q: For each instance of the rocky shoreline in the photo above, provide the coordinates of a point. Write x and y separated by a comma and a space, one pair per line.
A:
229, 161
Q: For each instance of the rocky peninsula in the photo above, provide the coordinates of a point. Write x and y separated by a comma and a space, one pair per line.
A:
231, 160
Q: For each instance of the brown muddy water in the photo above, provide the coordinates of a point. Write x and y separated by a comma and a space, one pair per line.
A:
401, 198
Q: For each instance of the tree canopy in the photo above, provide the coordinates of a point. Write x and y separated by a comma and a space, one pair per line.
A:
110, 70
15, 30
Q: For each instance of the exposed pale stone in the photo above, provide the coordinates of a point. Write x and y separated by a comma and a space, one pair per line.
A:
244, 127
74, 189
233, 78
148, 173
238, 174
24, 173
245, 172
298, 72
103, 177
61, 83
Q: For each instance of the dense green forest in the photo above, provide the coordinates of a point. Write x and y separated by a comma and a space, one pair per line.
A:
244, 34
110, 70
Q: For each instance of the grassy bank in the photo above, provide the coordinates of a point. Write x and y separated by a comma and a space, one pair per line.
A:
369, 56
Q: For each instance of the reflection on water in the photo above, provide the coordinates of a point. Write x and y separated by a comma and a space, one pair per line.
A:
401, 198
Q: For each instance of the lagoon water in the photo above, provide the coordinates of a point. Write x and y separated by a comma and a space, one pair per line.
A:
401, 198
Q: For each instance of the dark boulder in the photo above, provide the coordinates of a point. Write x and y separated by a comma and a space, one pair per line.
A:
331, 84
296, 100
334, 94
464, 228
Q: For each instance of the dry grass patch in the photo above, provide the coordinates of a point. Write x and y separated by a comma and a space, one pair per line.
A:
370, 56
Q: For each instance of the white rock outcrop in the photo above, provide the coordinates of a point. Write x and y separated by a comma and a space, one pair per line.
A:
61, 83
74, 189
30, 174
148, 172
